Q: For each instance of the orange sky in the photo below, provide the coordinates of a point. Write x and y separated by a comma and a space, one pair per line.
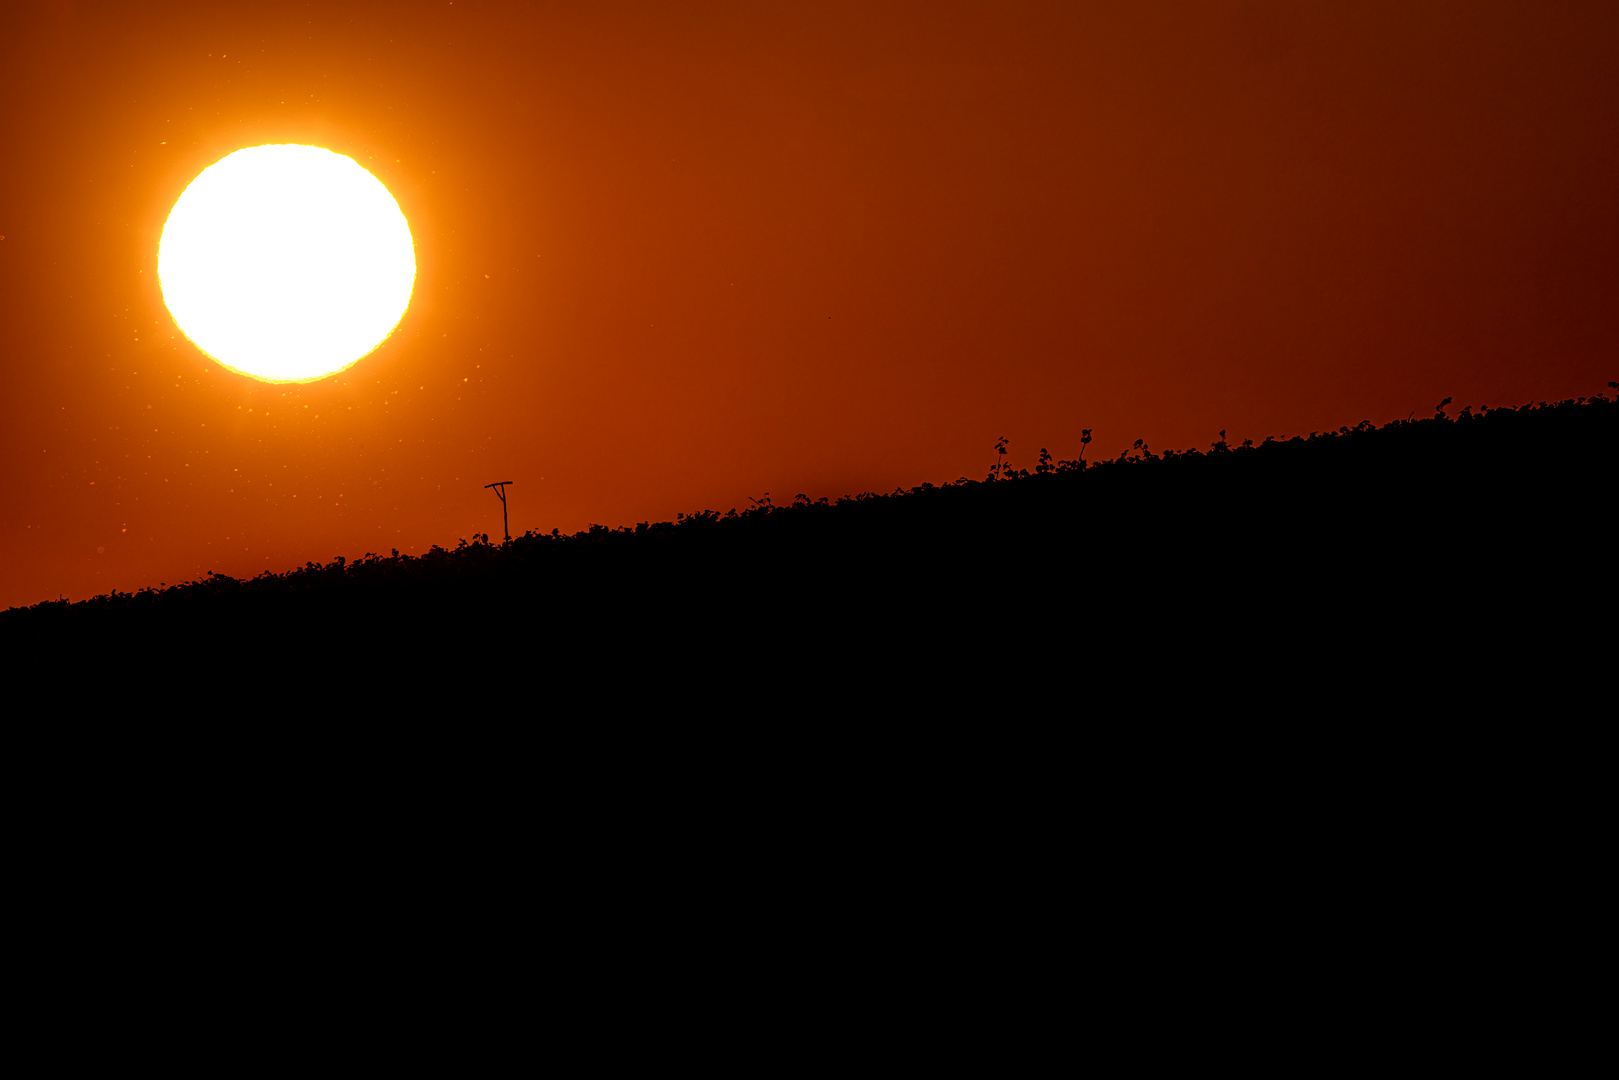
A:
673, 256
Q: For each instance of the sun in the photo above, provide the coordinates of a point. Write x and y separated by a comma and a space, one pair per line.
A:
286, 263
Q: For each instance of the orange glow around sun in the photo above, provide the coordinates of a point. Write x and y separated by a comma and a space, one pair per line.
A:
286, 263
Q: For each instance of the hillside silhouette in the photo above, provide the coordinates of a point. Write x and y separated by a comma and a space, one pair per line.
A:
1373, 549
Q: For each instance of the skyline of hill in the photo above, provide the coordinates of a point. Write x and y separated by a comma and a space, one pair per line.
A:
1357, 467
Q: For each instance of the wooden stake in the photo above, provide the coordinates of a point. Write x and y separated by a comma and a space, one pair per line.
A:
500, 489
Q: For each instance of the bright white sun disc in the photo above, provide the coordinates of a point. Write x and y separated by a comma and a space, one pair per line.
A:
286, 263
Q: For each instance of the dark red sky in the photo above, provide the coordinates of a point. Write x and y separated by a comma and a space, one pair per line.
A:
671, 256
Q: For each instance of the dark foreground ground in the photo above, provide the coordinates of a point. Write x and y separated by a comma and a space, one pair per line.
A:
1199, 752
1444, 555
